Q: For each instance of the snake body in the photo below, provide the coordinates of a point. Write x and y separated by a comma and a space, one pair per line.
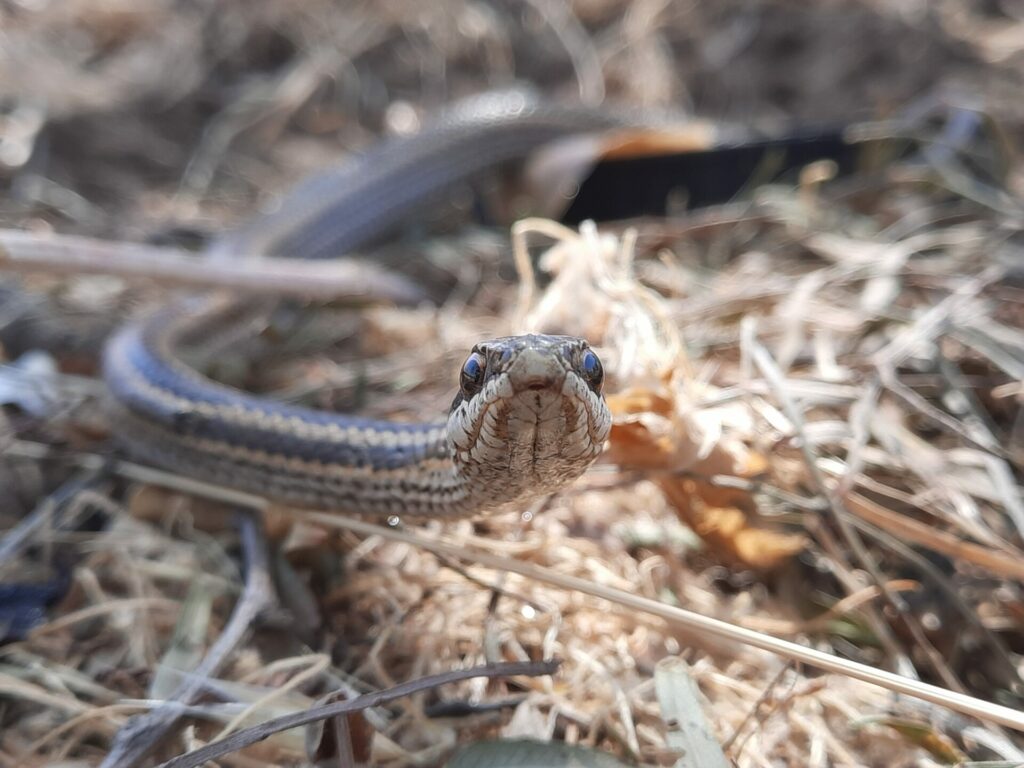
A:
529, 417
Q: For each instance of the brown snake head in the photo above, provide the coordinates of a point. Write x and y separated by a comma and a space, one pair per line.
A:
529, 417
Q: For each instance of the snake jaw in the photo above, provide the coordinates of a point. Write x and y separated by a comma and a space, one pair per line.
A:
535, 424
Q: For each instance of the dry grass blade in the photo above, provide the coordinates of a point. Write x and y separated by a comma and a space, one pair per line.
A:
259, 732
996, 563
704, 625
875, 422
143, 732
67, 255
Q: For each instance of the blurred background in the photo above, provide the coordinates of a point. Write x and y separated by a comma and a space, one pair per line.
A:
132, 118
167, 122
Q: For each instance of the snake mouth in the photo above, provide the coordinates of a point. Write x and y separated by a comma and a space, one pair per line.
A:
539, 384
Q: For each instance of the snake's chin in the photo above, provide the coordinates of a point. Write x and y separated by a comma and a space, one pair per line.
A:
534, 427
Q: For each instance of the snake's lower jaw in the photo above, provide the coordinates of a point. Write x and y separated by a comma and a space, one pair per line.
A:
543, 433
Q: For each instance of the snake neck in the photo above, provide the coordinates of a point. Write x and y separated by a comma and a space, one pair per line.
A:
501, 448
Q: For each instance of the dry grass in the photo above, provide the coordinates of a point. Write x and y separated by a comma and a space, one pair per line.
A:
818, 389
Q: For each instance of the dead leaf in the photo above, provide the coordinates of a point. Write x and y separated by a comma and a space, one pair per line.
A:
648, 435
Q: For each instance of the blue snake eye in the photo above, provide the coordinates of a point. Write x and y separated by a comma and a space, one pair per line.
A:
593, 372
472, 377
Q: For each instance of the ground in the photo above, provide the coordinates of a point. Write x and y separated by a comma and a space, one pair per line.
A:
817, 385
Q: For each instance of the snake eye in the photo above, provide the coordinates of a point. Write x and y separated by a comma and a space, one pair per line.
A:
472, 377
593, 371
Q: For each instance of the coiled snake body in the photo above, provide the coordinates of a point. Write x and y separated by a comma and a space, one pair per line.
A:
529, 416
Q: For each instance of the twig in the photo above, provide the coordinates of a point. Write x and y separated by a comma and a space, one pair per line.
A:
838, 610
268, 728
497, 590
752, 712
44, 515
102, 609
971, 407
343, 742
1004, 484
859, 420
756, 486
892, 383
318, 664
695, 622
142, 733
942, 583
268, 276
849, 533
916, 532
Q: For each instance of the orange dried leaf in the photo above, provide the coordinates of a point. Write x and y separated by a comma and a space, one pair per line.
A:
645, 436
637, 401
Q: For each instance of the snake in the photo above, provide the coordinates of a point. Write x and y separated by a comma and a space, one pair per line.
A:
529, 416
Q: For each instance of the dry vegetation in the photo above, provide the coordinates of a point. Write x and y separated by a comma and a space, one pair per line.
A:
818, 389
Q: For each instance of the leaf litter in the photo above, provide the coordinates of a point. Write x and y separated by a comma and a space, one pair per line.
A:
818, 411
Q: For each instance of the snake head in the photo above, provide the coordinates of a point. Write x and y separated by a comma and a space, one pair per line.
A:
529, 416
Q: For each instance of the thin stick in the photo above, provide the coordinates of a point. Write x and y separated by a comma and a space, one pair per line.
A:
45, 516
695, 622
773, 375
753, 711
913, 531
325, 711
268, 276
924, 565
